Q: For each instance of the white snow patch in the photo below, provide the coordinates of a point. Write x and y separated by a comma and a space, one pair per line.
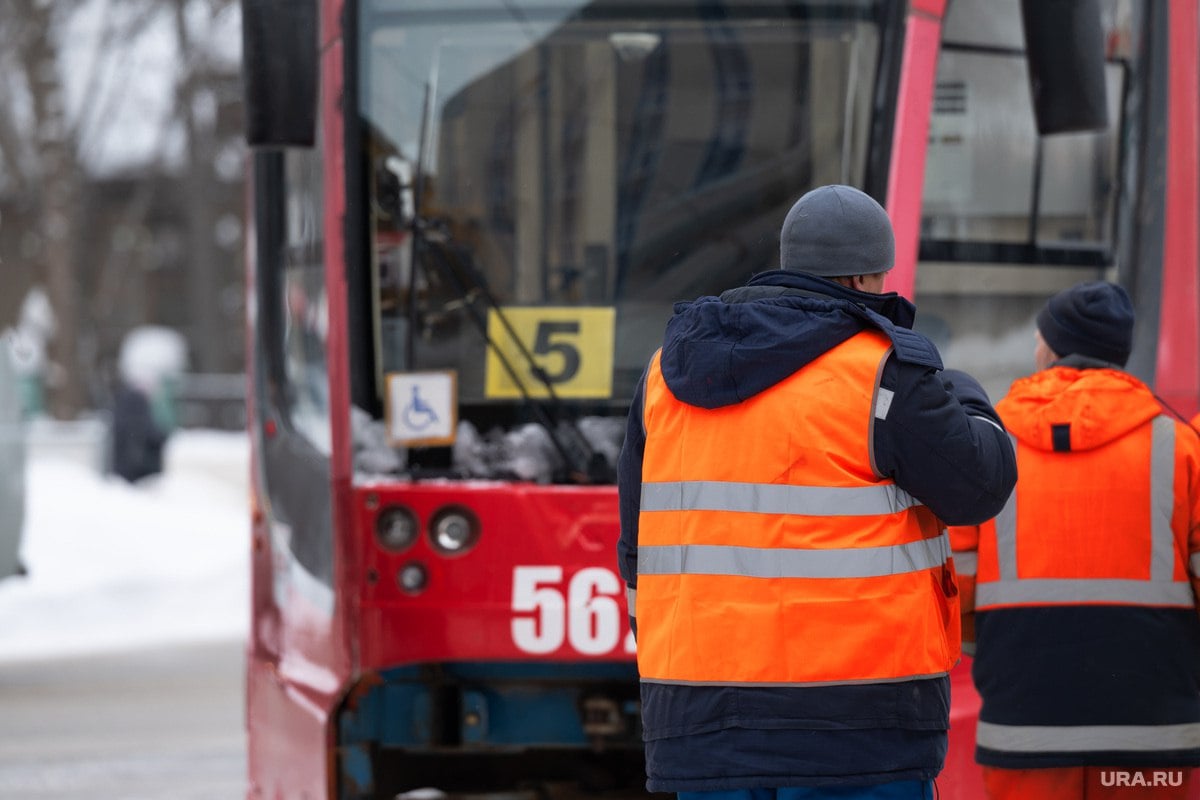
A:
114, 566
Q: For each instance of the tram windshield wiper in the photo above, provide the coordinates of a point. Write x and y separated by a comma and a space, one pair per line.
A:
432, 241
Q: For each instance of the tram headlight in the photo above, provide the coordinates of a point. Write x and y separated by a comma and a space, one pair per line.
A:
396, 528
412, 578
454, 530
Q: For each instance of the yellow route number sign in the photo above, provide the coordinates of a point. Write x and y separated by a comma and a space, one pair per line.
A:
571, 346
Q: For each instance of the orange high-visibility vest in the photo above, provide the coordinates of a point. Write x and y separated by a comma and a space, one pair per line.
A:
1081, 530
769, 551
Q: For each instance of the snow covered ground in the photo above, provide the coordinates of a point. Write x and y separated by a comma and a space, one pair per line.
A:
114, 566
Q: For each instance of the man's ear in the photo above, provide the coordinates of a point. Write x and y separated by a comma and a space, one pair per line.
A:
871, 284
863, 283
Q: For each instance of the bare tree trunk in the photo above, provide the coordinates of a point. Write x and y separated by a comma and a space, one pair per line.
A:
59, 203
203, 258
45, 155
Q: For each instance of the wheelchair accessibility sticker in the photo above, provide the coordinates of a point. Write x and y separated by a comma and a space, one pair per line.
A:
422, 407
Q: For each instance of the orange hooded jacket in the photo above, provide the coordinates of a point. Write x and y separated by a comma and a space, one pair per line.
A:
1080, 596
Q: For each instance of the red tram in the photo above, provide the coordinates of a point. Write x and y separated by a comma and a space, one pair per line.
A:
470, 220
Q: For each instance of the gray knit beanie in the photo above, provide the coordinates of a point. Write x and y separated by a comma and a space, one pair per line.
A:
837, 230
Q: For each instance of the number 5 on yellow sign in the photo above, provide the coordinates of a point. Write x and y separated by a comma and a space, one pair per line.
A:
573, 348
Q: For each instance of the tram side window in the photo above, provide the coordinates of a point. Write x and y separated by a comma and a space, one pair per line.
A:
305, 309
990, 178
994, 189
1010, 216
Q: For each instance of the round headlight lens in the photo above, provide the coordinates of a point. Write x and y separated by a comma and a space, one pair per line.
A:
396, 528
454, 530
412, 578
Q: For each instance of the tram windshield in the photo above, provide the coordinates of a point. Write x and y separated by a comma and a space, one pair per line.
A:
547, 179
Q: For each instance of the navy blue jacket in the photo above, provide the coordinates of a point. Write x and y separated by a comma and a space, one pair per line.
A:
940, 440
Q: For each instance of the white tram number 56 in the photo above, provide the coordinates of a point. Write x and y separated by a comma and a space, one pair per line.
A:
584, 613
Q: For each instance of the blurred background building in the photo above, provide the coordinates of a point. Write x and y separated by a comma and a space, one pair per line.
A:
121, 199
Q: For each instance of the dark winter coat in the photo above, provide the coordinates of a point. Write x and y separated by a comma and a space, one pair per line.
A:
941, 441
137, 441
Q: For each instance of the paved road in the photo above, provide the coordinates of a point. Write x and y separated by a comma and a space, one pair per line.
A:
162, 724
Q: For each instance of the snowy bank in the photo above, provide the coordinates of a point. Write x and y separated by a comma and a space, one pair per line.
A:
114, 566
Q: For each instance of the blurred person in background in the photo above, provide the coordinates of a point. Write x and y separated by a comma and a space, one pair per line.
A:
1080, 595
12, 464
137, 438
150, 363
27, 345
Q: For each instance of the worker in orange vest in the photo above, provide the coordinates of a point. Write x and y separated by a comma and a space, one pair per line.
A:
791, 455
1083, 589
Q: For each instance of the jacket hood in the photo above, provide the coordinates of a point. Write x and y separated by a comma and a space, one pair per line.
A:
722, 350
1099, 405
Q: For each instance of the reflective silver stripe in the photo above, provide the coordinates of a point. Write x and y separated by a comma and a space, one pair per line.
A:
1162, 499
772, 498
883, 402
631, 600
991, 422
1006, 532
1006, 538
769, 562
1085, 738
1072, 590
966, 562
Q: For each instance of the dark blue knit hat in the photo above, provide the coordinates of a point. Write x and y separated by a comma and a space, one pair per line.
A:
1091, 319
837, 230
